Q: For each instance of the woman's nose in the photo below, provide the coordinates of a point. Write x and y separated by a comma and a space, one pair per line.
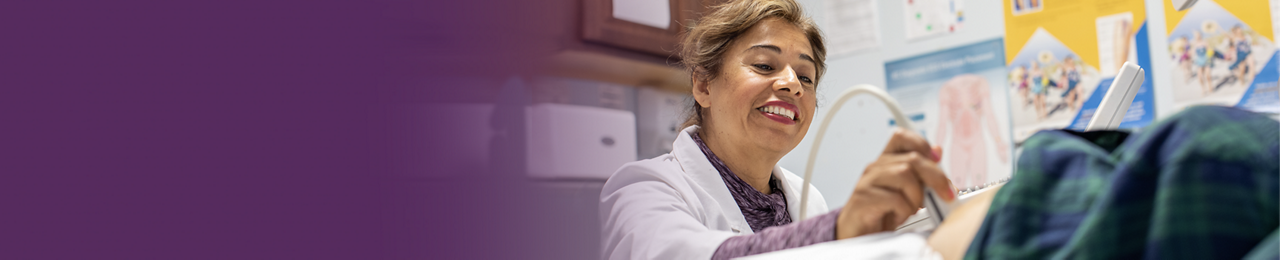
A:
788, 82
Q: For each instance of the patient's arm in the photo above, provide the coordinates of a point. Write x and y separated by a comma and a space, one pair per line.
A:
952, 237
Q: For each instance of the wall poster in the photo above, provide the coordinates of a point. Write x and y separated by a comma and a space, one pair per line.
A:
925, 18
1223, 53
1061, 57
852, 26
957, 99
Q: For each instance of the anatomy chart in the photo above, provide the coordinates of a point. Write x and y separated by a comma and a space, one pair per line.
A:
957, 99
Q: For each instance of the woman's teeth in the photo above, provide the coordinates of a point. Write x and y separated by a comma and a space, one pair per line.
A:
778, 111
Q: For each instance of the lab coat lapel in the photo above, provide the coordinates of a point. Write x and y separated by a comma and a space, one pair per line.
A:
791, 190
696, 166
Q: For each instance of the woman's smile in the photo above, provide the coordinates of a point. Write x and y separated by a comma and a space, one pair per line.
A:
779, 111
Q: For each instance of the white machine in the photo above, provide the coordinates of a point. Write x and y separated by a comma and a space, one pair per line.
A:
1114, 105
1108, 115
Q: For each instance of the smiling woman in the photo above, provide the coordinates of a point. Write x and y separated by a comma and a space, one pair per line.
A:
755, 67
764, 95
703, 48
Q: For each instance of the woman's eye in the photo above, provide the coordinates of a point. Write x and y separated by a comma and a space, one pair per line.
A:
806, 79
764, 67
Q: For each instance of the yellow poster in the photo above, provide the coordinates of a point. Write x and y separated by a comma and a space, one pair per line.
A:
1223, 53
1062, 56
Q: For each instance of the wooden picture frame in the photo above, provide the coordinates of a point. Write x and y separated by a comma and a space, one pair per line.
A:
599, 25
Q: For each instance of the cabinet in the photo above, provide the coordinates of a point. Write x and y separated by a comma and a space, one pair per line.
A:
623, 52
600, 26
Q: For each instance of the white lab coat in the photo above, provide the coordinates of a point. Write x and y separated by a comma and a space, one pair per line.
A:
676, 206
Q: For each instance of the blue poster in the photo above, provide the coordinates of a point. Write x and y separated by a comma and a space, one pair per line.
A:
958, 100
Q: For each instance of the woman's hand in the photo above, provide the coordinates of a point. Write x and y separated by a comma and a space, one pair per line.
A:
890, 189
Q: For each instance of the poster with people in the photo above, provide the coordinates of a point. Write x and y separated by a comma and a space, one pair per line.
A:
1223, 53
1062, 57
1026, 6
957, 99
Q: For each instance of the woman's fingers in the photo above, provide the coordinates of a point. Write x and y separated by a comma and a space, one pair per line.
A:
892, 187
933, 177
873, 210
894, 210
909, 173
896, 172
907, 141
900, 212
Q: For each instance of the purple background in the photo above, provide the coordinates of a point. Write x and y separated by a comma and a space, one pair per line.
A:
266, 130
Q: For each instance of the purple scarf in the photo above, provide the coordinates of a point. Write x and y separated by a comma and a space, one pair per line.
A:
761, 210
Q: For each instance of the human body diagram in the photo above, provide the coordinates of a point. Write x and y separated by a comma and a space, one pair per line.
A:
965, 108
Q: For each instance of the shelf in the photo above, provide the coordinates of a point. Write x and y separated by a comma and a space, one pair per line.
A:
606, 68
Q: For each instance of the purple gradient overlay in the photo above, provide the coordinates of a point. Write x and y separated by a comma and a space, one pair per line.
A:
271, 130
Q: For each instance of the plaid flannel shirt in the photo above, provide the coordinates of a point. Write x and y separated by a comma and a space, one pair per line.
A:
1199, 185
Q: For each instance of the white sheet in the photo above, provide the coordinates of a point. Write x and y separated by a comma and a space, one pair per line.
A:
885, 245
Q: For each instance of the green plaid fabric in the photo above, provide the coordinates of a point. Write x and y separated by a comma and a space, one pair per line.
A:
1202, 184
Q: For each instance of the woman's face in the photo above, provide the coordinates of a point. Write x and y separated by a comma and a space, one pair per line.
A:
763, 95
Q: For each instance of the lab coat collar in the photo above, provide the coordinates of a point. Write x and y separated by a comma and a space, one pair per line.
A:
790, 190
696, 166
